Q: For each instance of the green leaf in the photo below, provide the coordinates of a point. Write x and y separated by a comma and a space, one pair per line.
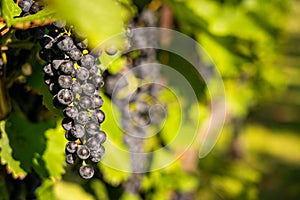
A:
67, 190
99, 189
28, 142
46, 191
7, 158
9, 11
55, 151
41, 16
98, 19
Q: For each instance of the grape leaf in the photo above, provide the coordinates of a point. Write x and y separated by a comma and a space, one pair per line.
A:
13, 165
28, 142
46, 191
44, 16
55, 151
9, 11
91, 17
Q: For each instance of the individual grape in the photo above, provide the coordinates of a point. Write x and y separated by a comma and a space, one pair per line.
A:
82, 117
93, 143
100, 136
93, 71
65, 96
98, 116
71, 111
67, 67
76, 88
97, 81
35, 7
85, 102
75, 54
86, 171
83, 152
82, 74
87, 61
70, 159
97, 154
25, 5
88, 89
65, 81
97, 101
67, 123
71, 147
66, 44
69, 136
48, 70
92, 128
55, 100
78, 131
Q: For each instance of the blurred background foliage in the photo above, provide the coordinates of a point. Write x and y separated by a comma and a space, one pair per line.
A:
255, 45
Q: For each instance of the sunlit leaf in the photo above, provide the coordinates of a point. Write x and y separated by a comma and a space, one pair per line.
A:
6, 156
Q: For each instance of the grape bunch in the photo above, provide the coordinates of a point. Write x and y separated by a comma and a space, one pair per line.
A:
74, 79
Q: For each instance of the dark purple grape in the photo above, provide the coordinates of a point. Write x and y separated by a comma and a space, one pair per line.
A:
82, 74
100, 136
92, 128
82, 117
69, 136
97, 81
65, 81
94, 70
65, 96
83, 152
86, 171
97, 101
75, 54
35, 7
97, 154
67, 123
76, 88
71, 111
66, 43
71, 147
98, 116
25, 5
67, 67
87, 61
88, 89
70, 159
85, 102
78, 131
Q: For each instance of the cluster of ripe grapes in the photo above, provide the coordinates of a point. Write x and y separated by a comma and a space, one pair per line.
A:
74, 80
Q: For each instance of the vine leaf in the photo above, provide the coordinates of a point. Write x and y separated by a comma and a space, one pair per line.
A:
9, 10
55, 151
28, 142
42, 17
13, 165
